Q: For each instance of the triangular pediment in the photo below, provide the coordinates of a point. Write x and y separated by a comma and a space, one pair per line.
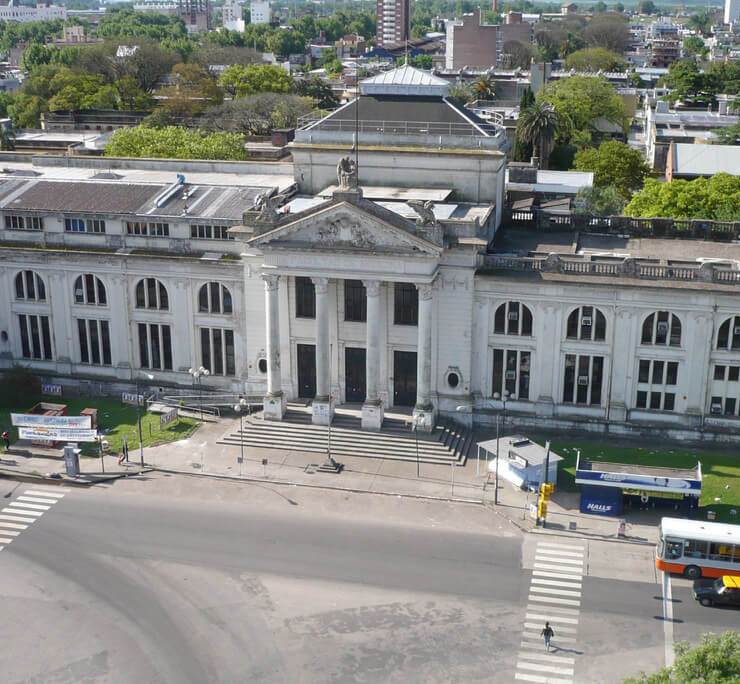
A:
347, 227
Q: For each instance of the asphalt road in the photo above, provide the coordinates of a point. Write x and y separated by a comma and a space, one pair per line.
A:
195, 581
138, 589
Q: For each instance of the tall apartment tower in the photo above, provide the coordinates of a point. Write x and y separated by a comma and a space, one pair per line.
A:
393, 21
732, 11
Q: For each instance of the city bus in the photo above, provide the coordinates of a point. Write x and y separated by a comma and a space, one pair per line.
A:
695, 549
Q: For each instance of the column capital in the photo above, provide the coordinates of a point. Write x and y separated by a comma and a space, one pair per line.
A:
425, 290
321, 285
372, 287
271, 281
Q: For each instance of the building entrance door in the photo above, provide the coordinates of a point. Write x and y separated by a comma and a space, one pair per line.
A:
306, 371
404, 378
354, 374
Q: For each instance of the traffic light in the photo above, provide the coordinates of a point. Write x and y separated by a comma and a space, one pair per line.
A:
542, 509
546, 489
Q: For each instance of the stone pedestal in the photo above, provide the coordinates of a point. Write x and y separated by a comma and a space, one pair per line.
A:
372, 415
274, 406
425, 418
617, 413
322, 411
545, 408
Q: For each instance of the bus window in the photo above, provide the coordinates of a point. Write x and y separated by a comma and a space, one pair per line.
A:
674, 549
736, 554
720, 552
695, 549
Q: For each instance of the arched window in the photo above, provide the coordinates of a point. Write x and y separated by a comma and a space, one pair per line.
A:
151, 294
728, 336
215, 298
30, 286
586, 323
513, 318
662, 327
89, 289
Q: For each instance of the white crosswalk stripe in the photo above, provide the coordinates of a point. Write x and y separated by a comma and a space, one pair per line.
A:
27, 508
16, 518
18, 511
47, 492
13, 526
554, 596
36, 499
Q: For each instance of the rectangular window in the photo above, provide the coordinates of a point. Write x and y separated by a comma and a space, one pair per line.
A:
734, 374
305, 298
355, 301
151, 229
405, 304
217, 351
209, 232
35, 335
725, 390
82, 225
511, 372
155, 346
654, 379
18, 222
583, 376
719, 372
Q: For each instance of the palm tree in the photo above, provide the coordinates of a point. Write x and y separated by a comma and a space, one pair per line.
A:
538, 125
484, 88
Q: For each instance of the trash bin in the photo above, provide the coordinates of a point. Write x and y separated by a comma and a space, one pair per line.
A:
72, 460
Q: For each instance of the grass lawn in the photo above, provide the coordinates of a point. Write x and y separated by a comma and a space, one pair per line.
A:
115, 419
720, 467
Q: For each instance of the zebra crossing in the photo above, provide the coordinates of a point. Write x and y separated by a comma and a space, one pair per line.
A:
554, 597
26, 509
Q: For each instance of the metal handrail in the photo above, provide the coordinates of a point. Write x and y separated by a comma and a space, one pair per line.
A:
389, 126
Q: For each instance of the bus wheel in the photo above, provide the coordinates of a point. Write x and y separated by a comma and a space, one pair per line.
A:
692, 572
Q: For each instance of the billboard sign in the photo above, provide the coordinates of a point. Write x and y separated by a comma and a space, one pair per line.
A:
47, 434
167, 418
63, 422
50, 388
652, 483
132, 398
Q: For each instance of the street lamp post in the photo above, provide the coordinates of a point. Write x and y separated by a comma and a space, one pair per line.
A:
148, 376
503, 398
197, 374
239, 408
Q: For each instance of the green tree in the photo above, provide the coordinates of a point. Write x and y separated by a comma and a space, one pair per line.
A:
238, 80
256, 114
522, 151
727, 136
647, 7
538, 125
608, 31
173, 142
606, 201
484, 88
319, 91
460, 92
26, 110
581, 100
193, 90
701, 22
595, 59
715, 198
126, 23
694, 47
687, 82
716, 660
614, 164
418, 61
284, 42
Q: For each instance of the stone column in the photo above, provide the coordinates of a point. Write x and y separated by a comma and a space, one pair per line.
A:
424, 412
322, 404
372, 409
274, 402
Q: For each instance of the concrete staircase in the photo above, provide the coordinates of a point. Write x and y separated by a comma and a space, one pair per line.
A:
448, 443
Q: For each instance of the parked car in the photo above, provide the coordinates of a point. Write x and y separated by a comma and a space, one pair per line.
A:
724, 591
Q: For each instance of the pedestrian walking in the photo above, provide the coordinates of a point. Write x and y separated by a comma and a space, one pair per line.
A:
6, 440
547, 633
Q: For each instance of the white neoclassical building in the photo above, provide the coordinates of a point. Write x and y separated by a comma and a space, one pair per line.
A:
379, 275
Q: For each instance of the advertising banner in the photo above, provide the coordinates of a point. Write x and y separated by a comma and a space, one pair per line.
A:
132, 398
34, 420
38, 434
49, 388
679, 485
167, 418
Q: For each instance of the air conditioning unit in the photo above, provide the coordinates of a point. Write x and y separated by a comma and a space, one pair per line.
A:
736, 330
663, 328
511, 375
716, 408
586, 320
513, 315
583, 379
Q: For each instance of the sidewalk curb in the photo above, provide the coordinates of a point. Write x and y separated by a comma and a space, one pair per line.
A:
595, 537
64, 481
290, 483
